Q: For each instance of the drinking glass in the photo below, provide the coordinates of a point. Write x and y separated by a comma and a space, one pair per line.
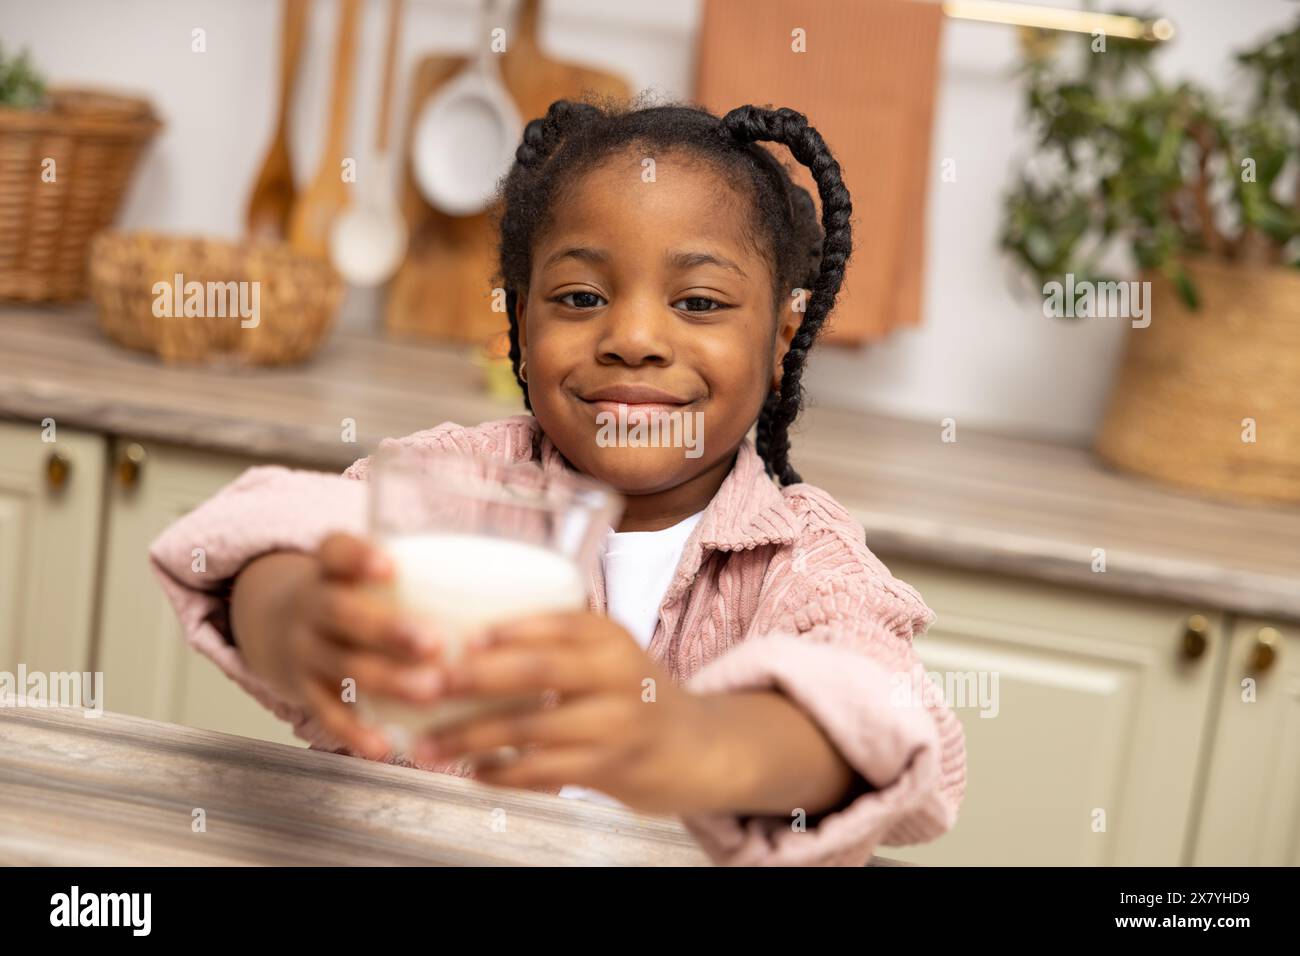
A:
476, 541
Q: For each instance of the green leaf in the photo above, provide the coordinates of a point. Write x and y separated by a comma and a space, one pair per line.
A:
21, 86
1132, 157
1186, 290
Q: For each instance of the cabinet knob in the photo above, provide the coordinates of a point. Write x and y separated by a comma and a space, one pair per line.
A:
1196, 637
58, 468
130, 465
1264, 653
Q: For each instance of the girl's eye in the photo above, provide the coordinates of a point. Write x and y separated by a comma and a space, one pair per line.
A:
592, 300
580, 300
697, 303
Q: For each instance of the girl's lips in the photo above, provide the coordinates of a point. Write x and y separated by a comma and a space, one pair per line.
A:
635, 410
631, 393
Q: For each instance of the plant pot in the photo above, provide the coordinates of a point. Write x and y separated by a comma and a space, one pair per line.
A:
1192, 383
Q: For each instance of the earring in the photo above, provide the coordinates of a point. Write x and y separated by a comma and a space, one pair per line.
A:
523, 370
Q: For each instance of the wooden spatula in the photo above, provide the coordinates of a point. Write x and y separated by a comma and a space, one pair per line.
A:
273, 193
325, 198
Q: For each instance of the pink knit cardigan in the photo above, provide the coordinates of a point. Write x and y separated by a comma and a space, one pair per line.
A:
776, 589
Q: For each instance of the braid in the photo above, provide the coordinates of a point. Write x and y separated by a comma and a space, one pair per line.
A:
763, 435
751, 124
512, 305
540, 138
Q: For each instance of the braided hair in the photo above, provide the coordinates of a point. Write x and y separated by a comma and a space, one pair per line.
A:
574, 136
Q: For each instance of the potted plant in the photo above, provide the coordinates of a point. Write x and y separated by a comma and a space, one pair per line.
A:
1205, 200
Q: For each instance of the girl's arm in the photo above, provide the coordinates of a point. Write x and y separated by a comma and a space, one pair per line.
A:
846, 663
779, 759
259, 612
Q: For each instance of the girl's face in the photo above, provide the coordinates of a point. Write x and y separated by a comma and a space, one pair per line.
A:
651, 295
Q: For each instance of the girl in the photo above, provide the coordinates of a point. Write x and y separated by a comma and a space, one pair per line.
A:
658, 259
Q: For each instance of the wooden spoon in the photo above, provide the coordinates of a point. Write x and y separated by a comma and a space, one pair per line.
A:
368, 239
327, 196
273, 193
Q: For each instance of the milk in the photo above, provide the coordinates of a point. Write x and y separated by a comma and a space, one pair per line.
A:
463, 583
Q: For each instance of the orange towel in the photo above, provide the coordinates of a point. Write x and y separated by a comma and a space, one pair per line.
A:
867, 82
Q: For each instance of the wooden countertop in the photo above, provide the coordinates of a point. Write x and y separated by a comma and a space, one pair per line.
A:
121, 791
989, 502
115, 790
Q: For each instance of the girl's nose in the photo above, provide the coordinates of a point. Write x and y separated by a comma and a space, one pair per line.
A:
635, 334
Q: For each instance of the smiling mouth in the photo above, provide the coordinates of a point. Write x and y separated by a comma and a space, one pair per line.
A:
633, 402
634, 413
639, 395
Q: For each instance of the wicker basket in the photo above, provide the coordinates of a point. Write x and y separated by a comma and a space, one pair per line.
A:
1189, 381
133, 280
95, 140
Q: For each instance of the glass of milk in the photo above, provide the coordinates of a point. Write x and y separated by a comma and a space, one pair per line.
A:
475, 542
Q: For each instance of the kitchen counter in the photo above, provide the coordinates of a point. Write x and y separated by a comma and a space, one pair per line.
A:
114, 790
987, 502
122, 791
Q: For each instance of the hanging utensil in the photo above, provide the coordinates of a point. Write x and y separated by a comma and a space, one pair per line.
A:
272, 198
327, 196
465, 138
369, 239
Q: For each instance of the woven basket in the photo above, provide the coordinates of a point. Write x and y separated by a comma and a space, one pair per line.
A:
95, 140
296, 300
1190, 380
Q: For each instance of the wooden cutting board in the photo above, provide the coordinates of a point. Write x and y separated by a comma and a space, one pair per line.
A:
868, 83
443, 290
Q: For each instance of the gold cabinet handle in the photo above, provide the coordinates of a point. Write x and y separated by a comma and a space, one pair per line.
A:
1264, 654
58, 469
1196, 637
131, 464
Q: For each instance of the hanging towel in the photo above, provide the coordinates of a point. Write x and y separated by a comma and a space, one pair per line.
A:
867, 82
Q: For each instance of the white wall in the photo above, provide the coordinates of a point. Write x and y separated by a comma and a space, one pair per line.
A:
981, 355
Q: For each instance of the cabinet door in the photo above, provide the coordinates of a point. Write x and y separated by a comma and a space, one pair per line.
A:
1087, 753
149, 670
50, 506
1251, 812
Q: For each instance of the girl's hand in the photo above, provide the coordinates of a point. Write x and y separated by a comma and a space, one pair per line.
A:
621, 726
330, 624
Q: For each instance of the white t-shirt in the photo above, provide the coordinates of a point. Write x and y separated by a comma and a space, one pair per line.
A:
638, 566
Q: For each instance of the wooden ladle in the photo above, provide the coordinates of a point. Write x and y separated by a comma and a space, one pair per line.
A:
273, 193
327, 196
